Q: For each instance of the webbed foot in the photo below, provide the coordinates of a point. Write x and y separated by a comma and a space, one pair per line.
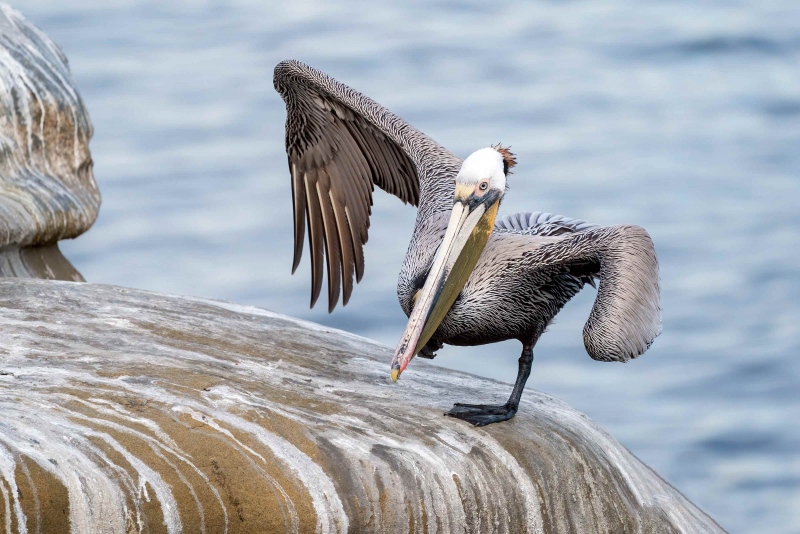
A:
482, 414
486, 414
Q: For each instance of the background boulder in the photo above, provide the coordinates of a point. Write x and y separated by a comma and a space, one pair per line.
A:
47, 189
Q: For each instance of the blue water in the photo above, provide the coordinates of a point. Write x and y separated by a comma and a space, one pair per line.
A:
682, 117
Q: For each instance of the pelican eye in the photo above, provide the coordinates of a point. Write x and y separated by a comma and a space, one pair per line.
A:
483, 186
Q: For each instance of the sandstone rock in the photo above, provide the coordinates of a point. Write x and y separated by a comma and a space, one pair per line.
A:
123, 410
47, 188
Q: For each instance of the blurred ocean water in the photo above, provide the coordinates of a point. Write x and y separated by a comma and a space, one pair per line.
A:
682, 117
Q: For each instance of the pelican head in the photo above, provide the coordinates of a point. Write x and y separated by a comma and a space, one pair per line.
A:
479, 186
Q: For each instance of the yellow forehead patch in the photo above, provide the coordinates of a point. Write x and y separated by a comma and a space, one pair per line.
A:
463, 191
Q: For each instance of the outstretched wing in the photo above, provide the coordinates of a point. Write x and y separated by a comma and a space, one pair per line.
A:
340, 144
626, 316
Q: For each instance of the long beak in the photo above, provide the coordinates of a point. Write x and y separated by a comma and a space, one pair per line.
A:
468, 231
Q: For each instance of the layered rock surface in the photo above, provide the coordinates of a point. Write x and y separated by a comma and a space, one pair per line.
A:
47, 188
122, 410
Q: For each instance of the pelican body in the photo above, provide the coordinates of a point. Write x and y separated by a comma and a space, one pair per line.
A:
469, 277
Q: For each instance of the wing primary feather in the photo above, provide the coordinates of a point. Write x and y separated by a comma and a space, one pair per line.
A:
357, 218
299, 211
345, 243
354, 178
358, 250
332, 253
315, 236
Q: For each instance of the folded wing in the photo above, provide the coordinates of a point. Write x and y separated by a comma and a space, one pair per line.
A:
626, 316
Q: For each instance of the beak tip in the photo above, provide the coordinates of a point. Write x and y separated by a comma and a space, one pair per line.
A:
395, 374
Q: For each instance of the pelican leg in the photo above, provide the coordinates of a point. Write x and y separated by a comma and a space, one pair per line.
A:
429, 350
486, 414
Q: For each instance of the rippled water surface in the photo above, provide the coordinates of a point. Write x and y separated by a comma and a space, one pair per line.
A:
682, 117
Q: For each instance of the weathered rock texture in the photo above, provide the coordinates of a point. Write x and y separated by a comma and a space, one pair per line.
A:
47, 189
123, 410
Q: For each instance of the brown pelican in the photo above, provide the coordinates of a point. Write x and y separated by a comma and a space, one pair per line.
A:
467, 279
